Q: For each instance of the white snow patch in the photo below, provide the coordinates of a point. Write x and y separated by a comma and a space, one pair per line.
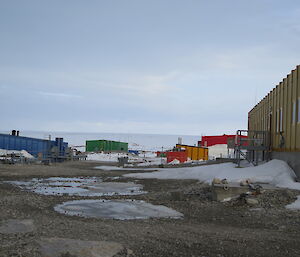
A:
219, 151
174, 162
105, 157
295, 205
147, 154
147, 161
141, 160
23, 153
275, 172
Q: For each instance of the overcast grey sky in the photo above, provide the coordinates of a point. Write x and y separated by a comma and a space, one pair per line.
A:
142, 66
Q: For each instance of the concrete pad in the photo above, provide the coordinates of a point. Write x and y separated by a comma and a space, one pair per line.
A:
17, 226
58, 247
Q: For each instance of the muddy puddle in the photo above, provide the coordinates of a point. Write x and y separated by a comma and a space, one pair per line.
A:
116, 209
91, 186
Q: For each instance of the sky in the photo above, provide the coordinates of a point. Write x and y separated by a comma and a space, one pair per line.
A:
187, 67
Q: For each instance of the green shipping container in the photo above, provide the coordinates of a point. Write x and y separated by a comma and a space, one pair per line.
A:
106, 146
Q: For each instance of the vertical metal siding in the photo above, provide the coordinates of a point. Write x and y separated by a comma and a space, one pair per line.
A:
293, 99
297, 83
275, 113
289, 112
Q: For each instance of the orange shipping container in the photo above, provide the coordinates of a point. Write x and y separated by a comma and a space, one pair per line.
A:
195, 152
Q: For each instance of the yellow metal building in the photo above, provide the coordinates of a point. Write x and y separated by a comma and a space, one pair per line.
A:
194, 152
279, 114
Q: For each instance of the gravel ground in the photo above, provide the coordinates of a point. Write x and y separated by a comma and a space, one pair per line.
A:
208, 228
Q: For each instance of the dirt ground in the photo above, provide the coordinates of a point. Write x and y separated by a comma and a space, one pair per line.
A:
208, 228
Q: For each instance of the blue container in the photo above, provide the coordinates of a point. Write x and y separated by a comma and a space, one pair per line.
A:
34, 146
136, 152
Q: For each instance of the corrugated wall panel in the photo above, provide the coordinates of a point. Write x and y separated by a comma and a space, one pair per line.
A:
280, 114
295, 96
275, 117
297, 83
266, 115
294, 99
269, 111
271, 102
289, 108
284, 106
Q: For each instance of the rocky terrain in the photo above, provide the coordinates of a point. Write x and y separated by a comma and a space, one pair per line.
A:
30, 227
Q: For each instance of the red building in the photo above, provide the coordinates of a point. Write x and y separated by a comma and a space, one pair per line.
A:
208, 141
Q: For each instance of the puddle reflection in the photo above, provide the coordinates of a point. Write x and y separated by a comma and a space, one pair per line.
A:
116, 209
91, 186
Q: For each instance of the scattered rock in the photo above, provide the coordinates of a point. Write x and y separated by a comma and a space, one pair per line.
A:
216, 181
129, 252
245, 182
256, 209
251, 201
224, 181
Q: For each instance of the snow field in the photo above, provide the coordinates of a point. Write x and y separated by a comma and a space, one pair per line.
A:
275, 172
143, 159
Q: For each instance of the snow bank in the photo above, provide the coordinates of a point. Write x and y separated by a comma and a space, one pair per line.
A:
174, 162
147, 154
275, 172
136, 160
295, 205
105, 157
22, 153
26, 154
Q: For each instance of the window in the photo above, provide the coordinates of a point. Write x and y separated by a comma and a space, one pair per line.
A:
294, 113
